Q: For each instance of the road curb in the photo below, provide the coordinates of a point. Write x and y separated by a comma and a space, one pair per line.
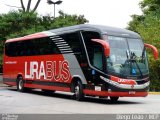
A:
2, 85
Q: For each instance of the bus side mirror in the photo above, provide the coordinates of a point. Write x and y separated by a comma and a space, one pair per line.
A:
154, 49
105, 46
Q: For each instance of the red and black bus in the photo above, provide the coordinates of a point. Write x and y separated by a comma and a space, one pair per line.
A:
87, 60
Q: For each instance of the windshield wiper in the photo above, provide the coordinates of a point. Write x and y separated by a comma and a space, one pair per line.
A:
143, 53
133, 60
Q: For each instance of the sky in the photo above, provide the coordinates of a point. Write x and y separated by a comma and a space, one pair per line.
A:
114, 13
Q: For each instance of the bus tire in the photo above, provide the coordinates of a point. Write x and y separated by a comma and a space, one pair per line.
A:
78, 91
114, 99
20, 84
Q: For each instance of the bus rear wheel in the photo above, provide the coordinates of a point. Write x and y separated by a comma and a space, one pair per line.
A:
78, 91
114, 99
20, 84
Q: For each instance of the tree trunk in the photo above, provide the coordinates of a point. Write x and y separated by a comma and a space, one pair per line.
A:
22, 5
36, 5
29, 5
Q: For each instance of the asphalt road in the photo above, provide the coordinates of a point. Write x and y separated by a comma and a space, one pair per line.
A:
36, 101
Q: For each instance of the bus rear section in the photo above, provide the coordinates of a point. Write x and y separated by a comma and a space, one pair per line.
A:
36, 63
87, 60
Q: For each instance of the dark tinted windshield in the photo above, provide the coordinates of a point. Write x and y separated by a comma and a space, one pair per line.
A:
127, 57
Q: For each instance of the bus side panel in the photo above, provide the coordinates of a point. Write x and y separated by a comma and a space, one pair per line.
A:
38, 71
9, 66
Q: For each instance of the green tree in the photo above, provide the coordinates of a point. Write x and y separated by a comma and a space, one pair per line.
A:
148, 6
67, 20
15, 22
148, 26
18, 23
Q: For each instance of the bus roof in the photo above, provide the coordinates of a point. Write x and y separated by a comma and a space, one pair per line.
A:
99, 28
82, 27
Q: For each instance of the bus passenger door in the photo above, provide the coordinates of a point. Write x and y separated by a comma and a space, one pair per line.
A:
98, 57
93, 55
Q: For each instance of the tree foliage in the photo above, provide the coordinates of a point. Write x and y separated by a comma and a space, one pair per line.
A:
67, 20
148, 6
18, 23
148, 26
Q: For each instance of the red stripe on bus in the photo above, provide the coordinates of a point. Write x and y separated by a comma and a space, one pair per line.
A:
123, 81
10, 83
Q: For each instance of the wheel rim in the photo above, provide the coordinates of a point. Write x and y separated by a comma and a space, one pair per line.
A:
20, 84
77, 91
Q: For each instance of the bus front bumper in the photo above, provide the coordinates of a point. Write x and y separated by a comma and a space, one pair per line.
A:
120, 90
126, 86
115, 94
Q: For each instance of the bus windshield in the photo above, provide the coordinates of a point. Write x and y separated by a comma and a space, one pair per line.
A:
127, 57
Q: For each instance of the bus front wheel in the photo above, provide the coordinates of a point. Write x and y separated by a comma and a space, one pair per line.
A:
78, 91
20, 84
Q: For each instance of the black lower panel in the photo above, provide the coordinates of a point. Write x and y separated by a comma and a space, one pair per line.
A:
37, 82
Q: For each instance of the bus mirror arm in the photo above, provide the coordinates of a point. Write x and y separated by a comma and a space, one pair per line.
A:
154, 49
105, 46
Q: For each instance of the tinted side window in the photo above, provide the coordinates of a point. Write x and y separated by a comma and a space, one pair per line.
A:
44, 46
98, 57
10, 49
87, 36
73, 41
40, 46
